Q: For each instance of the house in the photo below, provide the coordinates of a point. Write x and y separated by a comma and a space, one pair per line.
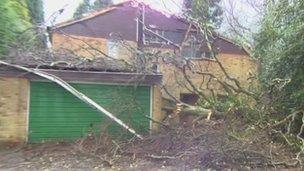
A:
113, 31
34, 109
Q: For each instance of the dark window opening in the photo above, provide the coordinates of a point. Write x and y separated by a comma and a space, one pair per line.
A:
194, 48
174, 36
155, 38
191, 53
195, 53
207, 55
158, 37
189, 98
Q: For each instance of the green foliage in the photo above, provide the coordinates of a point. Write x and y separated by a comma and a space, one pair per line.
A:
83, 7
14, 19
36, 11
279, 46
241, 106
87, 6
98, 4
208, 11
37, 18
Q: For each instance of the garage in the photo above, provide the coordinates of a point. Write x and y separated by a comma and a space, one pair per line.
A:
48, 112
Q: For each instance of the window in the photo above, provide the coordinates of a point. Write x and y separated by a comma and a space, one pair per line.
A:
153, 38
173, 36
193, 49
192, 53
112, 48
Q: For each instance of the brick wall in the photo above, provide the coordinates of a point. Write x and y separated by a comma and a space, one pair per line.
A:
238, 66
88, 47
14, 95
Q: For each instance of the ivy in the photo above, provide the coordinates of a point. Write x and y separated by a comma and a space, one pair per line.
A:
14, 19
279, 46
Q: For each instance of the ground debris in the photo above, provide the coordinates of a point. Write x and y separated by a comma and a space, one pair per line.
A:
209, 145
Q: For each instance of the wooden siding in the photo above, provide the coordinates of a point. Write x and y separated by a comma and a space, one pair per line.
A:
56, 114
13, 109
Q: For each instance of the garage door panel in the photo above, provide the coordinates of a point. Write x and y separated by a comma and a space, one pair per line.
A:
55, 114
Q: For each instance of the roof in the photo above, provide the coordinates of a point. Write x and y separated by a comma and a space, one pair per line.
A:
110, 9
48, 60
125, 27
247, 50
71, 68
91, 15
87, 76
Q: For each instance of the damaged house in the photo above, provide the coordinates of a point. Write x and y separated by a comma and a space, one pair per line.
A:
127, 58
120, 31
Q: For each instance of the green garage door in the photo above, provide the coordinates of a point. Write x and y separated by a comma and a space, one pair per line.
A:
55, 114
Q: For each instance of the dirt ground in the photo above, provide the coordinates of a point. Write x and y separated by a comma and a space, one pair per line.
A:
208, 146
61, 156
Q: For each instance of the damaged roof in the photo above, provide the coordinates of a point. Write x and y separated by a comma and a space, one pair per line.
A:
70, 68
49, 60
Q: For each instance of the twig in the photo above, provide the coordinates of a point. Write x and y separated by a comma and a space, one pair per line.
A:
158, 122
283, 121
161, 157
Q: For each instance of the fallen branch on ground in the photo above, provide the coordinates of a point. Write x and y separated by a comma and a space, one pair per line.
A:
161, 157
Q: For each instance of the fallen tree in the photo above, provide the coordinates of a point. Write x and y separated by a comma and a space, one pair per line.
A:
177, 109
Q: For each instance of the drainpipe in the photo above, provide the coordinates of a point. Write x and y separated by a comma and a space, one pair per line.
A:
141, 26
